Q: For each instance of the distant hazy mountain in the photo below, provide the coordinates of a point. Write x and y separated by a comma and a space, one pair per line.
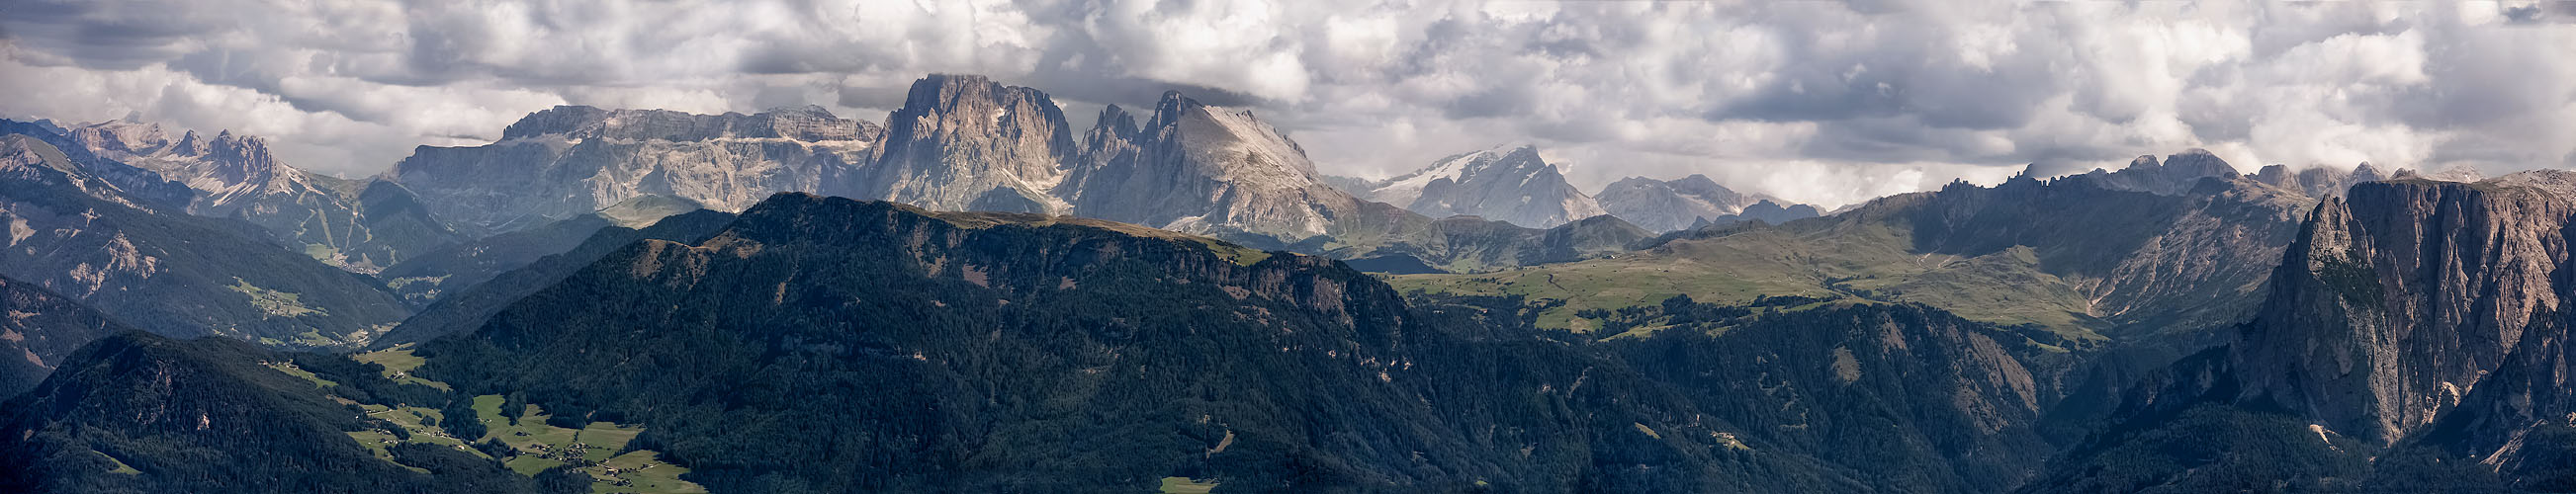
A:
2174, 175
80, 236
1511, 184
962, 143
1668, 205
1764, 211
359, 225
2317, 181
573, 160
429, 276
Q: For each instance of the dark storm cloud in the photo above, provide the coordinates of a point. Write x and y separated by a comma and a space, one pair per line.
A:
94, 35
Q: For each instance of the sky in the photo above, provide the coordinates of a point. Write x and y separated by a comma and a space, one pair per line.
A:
1813, 101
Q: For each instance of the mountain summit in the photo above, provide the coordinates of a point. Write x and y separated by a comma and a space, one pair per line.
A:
1509, 183
963, 142
1669, 205
361, 226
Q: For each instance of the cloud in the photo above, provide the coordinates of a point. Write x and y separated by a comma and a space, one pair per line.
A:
1812, 101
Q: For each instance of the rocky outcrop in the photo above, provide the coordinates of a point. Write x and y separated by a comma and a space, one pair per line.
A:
2400, 301
965, 143
1511, 184
1669, 205
1198, 168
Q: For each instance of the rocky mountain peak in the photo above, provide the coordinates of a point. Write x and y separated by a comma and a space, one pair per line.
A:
189, 145
1510, 183
1222, 134
2200, 162
964, 142
2174, 175
1114, 124
242, 149
2396, 302
1200, 168
1170, 106
2367, 173
2275, 173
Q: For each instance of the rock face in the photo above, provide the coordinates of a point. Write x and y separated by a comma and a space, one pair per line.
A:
2414, 336
573, 160
2177, 174
78, 235
360, 226
1197, 168
1511, 184
1669, 205
38, 331
964, 143
2397, 303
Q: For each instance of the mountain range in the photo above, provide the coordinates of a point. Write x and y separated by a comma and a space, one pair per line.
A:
976, 296
1511, 184
77, 234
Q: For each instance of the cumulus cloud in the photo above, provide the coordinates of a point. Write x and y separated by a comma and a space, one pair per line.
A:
1822, 102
